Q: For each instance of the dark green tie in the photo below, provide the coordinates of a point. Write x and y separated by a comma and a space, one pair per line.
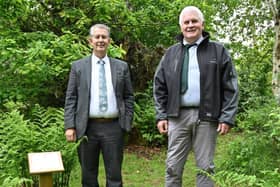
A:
185, 69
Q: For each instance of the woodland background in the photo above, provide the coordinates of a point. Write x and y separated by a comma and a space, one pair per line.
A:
39, 39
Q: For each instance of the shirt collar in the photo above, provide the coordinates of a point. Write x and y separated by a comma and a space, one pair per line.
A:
96, 59
198, 41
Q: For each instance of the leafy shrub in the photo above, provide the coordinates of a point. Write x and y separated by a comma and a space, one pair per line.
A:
257, 152
252, 154
42, 133
37, 71
255, 118
144, 119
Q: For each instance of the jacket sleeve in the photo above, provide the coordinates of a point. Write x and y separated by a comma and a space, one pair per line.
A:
71, 100
128, 95
160, 92
230, 91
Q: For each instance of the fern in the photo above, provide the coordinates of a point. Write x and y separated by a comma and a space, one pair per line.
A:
44, 131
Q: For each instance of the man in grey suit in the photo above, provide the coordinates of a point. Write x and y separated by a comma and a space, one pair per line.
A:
99, 106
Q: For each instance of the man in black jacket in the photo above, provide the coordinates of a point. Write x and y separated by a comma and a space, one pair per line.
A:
196, 97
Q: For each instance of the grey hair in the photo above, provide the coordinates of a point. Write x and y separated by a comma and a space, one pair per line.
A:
101, 26
191, 8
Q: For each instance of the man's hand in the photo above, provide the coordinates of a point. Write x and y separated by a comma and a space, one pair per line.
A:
223, 128
162, 126
70, 135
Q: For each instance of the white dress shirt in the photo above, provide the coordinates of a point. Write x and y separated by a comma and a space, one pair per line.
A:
192, 96
112, 111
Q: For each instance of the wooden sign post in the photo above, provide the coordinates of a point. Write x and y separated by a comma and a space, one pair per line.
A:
45, 164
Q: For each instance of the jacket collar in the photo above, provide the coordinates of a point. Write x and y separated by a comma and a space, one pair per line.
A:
205, 35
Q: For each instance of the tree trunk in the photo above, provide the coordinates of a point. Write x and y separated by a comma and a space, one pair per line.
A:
275, 7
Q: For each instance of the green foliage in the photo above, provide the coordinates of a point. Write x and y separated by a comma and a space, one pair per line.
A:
257, 152
254, 70
257, 118
42, 133
272, 177
40, 60
36, 53
38, 69
11, 11
253, 159
39, 40
140, 26
16, 182
265, 120
252, 155
246, 28
232, 179
144, 119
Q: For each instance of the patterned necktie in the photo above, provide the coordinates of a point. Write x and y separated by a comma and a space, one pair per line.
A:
103, 103
185, 69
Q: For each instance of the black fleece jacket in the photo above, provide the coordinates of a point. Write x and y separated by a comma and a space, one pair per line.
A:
218, 82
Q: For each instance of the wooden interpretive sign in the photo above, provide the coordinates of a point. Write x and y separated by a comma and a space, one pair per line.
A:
44, 164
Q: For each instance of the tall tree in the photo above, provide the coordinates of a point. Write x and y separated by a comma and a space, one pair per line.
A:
275, 7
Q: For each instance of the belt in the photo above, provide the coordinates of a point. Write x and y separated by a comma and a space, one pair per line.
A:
189, 107
102, 120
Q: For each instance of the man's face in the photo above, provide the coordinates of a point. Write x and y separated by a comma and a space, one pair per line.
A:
191, 26
100, 41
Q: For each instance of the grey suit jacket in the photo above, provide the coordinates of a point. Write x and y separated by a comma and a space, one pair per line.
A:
77, 101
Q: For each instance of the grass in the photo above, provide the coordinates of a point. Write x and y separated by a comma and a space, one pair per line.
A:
147, 170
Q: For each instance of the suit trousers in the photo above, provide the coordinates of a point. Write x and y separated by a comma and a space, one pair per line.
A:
187, 133
106, 138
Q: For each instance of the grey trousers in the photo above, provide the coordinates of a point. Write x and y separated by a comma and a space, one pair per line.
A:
186, 133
